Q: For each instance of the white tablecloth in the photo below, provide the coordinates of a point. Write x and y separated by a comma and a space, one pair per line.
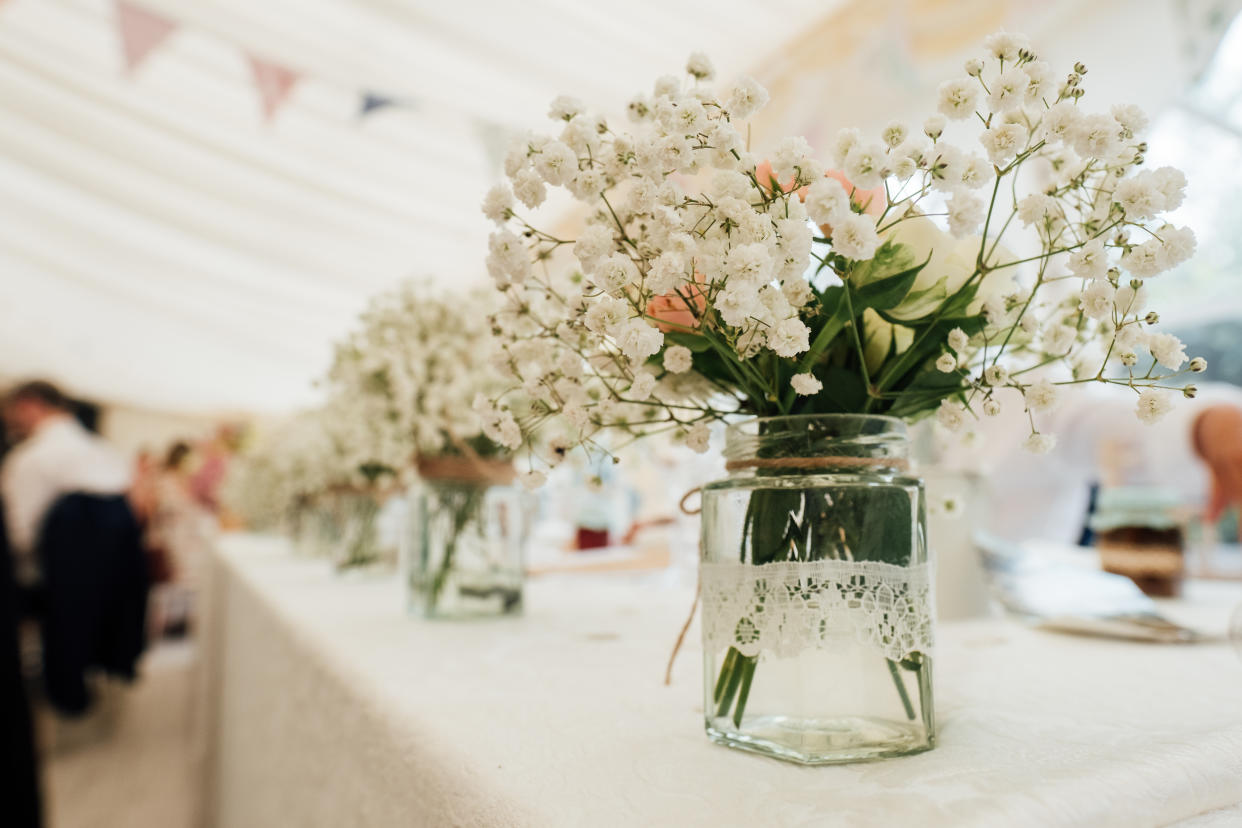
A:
336, 709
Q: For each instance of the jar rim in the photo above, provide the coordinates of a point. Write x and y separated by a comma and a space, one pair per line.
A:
876, 436
828, 416
894, 428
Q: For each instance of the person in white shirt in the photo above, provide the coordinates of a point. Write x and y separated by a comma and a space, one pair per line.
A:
1195, 451
56, 456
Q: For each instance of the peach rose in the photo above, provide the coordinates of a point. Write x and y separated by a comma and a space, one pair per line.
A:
871, 201
764, 175
672, 311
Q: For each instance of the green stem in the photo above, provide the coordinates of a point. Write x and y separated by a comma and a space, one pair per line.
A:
901, 689
747, 672
463, 500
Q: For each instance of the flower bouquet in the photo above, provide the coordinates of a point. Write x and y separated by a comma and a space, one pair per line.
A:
322, 475
423, 358
991, 259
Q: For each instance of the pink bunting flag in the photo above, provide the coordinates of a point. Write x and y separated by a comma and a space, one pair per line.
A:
274, 84
141, 31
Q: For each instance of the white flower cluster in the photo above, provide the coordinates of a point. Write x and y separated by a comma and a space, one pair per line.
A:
421, 359
1093, 223
335, 447
694, 288
598, 343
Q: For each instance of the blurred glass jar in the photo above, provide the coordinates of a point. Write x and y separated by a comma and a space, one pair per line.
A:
357, 545
469, 528
313, 527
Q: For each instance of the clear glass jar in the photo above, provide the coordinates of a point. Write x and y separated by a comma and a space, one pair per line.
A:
314, 528
817, 613
467, 558
357, 518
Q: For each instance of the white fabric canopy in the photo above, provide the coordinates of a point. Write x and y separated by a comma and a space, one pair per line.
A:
161, 245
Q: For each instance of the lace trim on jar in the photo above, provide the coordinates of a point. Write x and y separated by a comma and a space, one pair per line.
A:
789, 607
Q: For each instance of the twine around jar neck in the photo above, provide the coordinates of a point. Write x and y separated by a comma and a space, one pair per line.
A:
813, 463
467, 467
466, 470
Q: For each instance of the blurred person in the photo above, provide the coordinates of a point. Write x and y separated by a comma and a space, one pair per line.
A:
214, 456
56, 455
20, 800
179, 531
77, 545
142, 486
1195, 451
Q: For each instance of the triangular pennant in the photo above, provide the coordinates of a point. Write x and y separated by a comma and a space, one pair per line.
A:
274, 84
141, 31
372, 101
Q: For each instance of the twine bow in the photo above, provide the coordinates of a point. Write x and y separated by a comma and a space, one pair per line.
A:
694, 606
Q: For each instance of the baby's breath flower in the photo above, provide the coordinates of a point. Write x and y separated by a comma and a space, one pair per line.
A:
533, 479
1167, 350
959, 98
678, 359
806, 384
1041, 396
951, 415
1040, 443
1153, 405
995, 375
698, 438
700, 66
933, 127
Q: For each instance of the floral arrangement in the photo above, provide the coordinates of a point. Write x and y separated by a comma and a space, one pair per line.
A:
422, 359
315, 453
992, 258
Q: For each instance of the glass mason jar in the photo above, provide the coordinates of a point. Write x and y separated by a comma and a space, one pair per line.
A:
357, 544
467, 558
315, 530
816, 589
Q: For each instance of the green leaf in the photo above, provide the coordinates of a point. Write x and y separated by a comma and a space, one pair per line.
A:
888, 292
928, 344
890, 258
843, 393
832, 318
695, 342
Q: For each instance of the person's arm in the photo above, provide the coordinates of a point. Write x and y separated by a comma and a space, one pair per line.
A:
24, 492
1217, 439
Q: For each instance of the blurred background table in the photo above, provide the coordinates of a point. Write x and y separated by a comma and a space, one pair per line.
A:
333, 708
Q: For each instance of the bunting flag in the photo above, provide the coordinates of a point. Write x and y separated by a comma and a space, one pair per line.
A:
141, 32
274, 84
372, 101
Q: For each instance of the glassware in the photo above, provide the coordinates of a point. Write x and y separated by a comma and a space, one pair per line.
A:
816, 585
314, 528
467, 558
357, 543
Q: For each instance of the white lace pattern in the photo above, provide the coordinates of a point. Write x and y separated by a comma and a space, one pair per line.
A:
789, 607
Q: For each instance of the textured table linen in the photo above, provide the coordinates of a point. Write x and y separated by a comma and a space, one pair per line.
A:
333, 708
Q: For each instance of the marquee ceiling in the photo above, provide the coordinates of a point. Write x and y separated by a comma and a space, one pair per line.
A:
162, 245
